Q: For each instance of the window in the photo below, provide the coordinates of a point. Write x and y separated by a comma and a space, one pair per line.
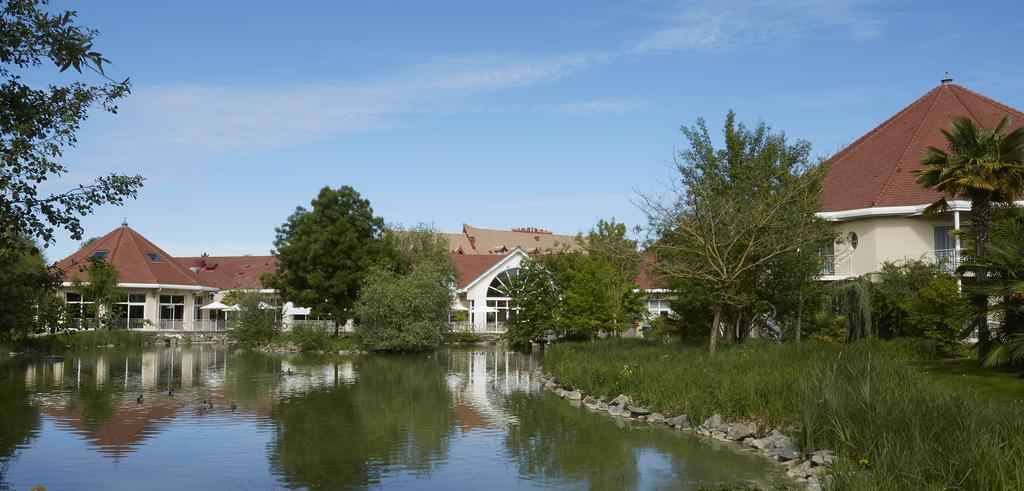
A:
80, 307
854, 240
197, 303
154, 257
132, 310
944, 238
658, 306
172, 307
99, 254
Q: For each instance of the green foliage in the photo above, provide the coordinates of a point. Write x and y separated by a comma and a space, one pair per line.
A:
852, 300
37, 124
324, 254
986, 166
409, 312
102, 289
826, 327
463, 337
416, 245
938, 313
576, 293
310, 338
894, 286
254, 324
866, 400
27, 301
83, 339
740, 224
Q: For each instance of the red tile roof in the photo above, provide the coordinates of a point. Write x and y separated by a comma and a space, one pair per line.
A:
471, 266
876, 170
231, 272
130, 253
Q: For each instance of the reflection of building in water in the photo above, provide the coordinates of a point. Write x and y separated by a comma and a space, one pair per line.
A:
100, 370
488, 376
126, 429
300, 378
150, 367
186, 369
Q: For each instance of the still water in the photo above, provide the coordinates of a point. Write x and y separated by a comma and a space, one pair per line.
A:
456, 419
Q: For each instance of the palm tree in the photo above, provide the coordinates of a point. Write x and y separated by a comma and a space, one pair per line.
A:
985, 166
1004, 268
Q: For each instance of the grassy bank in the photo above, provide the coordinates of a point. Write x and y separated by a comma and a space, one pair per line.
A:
874, 404
81, 339
315, 341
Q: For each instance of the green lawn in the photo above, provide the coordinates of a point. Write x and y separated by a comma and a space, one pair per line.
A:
966, 375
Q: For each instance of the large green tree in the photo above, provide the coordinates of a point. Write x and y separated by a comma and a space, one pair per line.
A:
578, 293
324, 253
38, 121
102, 289
405, 302
735, 214
986, 167
26, 290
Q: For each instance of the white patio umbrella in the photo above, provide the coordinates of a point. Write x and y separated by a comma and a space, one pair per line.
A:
459, 307
216, 306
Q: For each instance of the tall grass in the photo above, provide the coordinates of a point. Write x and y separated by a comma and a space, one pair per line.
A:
866, 401
83, 339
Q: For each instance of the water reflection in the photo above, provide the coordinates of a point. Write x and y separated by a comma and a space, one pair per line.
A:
448, 420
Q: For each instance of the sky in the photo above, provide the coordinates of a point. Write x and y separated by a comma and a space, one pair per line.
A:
549, 114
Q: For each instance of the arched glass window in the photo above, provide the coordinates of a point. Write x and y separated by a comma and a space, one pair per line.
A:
501, 286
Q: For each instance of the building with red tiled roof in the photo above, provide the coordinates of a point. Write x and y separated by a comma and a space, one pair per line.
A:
162, 291
872, 195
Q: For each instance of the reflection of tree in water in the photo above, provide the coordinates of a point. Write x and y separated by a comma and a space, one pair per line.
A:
555, 441
20, 418
398, 413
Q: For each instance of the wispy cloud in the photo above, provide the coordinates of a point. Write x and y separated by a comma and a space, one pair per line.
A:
211, 119
731, 24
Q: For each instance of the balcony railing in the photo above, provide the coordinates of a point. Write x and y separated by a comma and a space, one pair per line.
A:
832, 265
947, 259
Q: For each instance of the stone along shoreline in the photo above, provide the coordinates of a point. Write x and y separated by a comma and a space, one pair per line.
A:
810, 470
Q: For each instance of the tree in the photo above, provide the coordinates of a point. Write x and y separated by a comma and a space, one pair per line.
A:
578, 294
985, 166
27, 292
255, 323
405, 301
325, 253
102, 289
1004, 267
37, 124
736, 214
404, 312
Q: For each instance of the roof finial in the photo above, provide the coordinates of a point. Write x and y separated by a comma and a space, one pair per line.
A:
947, 79
124, 222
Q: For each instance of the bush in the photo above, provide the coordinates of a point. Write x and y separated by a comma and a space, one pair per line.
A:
827, 328
83, 339
868, 401
938, 313
463, 337
893, 288
310, 338
255, 323
404, 312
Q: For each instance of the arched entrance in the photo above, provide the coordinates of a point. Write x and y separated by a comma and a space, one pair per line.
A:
499, 292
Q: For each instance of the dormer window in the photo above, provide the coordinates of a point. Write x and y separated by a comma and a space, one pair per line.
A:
99, 254
154, 257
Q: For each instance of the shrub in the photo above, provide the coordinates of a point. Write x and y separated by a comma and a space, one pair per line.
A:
404, 312
938, 313
310, 338
465, 338
827, 328
255, 323
893, 288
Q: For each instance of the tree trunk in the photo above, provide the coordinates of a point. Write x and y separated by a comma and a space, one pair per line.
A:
981, 217
799, 314
714, 327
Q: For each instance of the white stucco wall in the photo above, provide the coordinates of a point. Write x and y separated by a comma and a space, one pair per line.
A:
882, 239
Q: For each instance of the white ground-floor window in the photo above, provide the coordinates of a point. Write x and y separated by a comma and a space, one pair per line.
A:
131, 311
79, 306
172, 309
658, 306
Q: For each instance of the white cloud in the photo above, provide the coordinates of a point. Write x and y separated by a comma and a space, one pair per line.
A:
208, 119
733, 24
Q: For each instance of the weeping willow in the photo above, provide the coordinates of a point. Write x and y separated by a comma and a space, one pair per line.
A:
852, 300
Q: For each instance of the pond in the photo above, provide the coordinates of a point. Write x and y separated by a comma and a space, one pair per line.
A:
455, 419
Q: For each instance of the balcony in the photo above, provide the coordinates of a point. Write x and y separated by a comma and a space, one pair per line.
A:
834, 267
947, 259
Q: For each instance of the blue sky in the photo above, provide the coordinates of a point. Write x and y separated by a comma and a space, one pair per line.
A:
497, 114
